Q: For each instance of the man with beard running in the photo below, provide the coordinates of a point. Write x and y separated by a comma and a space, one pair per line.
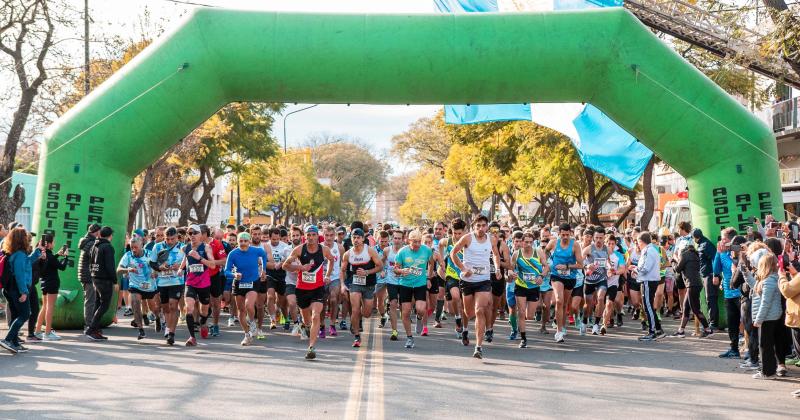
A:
311, 282
566, 259
166, 261
452, 274
277, 251
476, 286
360, 264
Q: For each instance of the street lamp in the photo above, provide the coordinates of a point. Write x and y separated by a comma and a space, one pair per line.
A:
284, 123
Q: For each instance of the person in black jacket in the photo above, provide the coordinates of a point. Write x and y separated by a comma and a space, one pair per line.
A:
49, 266
706, 251
103, 269
84, 248
689, 269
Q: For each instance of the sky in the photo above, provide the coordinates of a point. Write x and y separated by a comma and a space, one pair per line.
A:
373, 125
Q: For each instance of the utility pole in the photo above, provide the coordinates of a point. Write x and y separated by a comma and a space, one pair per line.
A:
86, 69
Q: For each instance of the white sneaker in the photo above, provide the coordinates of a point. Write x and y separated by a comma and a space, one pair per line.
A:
595, 329
559, 337
582, 329
247, 340
52, 336
296, 330
253, 327
231, 323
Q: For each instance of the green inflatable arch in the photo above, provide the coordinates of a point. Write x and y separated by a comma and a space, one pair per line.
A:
605, 57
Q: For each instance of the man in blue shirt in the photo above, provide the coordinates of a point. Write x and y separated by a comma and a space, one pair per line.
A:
723, 262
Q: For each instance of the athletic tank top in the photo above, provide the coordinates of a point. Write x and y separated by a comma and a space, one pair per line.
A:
360, 260
563, 256
391, 255
527, 270
337, 262
491, 263
278, 253
451, 270
313, 278
197, 274
476, 256
601, 257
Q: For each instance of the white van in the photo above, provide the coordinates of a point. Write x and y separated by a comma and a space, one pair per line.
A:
675, 212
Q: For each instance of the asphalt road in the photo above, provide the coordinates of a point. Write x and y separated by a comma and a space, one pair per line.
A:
597, 376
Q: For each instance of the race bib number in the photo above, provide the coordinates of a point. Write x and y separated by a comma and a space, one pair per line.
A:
248, 285
528, 277
168, 273
600, 263
415, 271
309, 277
360, 280
276, 256
145, 285
479, 269
564, 272
196, 268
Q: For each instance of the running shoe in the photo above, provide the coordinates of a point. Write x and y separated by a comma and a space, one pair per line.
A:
332, 331
21, 349
321, 332
489, 336
304, 333
465, 337
247, 340
760, 375
382, 322
158, 324
559, 337
749, 365
571, 319
215, 330
9, 346
619, 320
357, 341
603, 330
523, 344
260, 334
393, 337
596, 329
230, 322
644, 326
781, 371
272, 325
437, 324
128, 311
582, 328
171, 339
342, 325
706, 333
444, 316
151, 317
418, 325
410, 342
730, 354
425, 331
478, 353
253, 327
296, 329
141, 335
166, 332
286, 326
204, 331
678, 334
311, 354
34, 338
236, 320
458, 332
648, 337
191, 342
513, 335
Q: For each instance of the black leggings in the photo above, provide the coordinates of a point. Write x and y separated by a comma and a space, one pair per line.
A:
33, 297
734, 317
692, 305
767, 346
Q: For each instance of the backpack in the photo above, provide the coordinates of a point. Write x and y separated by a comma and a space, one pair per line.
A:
7, 280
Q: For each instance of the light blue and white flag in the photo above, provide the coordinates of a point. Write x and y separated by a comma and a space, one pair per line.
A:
472, 114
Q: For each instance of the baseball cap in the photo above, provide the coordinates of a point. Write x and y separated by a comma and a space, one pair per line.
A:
341, 229
312, 229
242, 235
194, 228
357, 232
94, 227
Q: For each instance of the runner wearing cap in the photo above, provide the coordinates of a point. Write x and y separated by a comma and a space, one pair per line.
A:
166, 261
566, 259
197, 264
311, 283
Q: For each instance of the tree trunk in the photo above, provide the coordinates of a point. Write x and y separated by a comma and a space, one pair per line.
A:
473, 207
649, 197
9, 208
509, 205
631, 207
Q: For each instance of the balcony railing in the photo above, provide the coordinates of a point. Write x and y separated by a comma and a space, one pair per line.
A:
784, 115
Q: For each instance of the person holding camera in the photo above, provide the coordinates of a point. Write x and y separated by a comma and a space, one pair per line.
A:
49, 266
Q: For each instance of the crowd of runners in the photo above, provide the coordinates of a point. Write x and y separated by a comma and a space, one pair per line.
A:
315, 281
